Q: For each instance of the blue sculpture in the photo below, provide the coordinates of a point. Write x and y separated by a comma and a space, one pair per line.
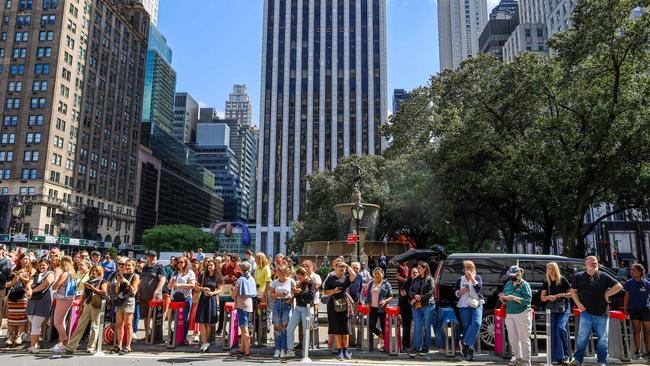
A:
227, 227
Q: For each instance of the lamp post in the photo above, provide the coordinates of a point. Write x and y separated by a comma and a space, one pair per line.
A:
357, 215
17, 208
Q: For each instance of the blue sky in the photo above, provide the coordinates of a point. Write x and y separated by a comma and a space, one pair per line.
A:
217, 43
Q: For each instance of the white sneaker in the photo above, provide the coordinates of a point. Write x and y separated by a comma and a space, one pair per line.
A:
205, 346
19, 340
196, 339
9, 341
290, 354
282, 353
276, 354
58, 348
33, 349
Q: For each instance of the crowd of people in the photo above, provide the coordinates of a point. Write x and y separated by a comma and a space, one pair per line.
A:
35, 288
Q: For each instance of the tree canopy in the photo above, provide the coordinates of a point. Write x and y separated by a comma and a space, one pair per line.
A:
176, 238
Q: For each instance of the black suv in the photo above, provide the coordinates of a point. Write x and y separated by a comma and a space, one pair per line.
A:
492, 268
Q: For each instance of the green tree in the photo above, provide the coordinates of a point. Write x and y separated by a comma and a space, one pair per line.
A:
176, 238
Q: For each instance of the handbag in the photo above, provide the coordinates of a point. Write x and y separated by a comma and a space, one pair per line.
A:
340, 305
17, 292
557, 306
96, 301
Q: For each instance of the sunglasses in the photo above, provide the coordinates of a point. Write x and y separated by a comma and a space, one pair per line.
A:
121, 264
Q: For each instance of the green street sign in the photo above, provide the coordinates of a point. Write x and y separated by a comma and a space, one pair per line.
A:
37, 239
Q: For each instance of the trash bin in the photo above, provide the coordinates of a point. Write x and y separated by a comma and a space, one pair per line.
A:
364, 335
619, 342
392, 330
230, 327
590, 351
176, 324
154, 332
448, 322
501, 345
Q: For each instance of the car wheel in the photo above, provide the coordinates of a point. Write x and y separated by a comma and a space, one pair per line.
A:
486, 332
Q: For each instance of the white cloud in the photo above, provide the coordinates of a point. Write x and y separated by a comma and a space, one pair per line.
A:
491, 4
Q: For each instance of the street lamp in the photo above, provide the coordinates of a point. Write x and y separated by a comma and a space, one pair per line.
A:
357, 215
17, 208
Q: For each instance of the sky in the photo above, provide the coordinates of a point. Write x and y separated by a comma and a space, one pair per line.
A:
218, 43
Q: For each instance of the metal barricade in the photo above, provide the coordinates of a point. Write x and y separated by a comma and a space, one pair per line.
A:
534, 343
590, 351
100, 333
549, 344
364, 335
448, 323
619, 341
154, 330
315, 331
392, 330
306, 337
230, 333
176, 324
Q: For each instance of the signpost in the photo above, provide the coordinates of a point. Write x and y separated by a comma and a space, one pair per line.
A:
352, 239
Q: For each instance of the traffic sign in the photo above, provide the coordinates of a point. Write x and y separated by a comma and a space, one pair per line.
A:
352, 239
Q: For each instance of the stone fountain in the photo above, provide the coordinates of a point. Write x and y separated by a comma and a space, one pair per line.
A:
370, 243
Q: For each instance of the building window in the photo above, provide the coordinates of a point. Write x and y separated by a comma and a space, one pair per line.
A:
14, 86
7, 174
8, 138
10, 121
44, 52
6, 156
35, 120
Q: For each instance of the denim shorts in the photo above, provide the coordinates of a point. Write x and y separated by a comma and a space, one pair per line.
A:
242, 318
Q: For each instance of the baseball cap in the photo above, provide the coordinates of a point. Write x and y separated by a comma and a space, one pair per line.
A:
514, 270
152, 253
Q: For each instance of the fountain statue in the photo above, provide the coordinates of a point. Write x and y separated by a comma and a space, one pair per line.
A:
370, 243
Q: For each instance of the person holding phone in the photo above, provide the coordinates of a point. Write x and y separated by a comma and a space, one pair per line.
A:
335, 287
470, 306
209, 284
423, 304
304, 292
517, 296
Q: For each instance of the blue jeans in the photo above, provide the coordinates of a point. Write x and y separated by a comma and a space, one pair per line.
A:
186, 313
136, 317
560, 335
422, 319
299, 315
470, 319
600, 325
281, 315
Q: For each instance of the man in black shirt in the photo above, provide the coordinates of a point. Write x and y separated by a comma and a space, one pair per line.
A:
152, 280
591, 291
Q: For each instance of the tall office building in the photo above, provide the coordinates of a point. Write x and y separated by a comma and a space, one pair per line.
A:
399, 96
460, 23
71, 81
186, 115
323, 97
159, 83
243, 143
504, 18
239, 105
151, 6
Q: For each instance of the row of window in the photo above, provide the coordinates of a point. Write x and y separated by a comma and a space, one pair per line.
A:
30, 138
34, 103
33, 120
25, 174
22, 52
27, 4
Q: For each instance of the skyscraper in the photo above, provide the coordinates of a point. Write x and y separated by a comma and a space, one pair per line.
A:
151, 6
159, 83
239, 105
71, 117
460, 23
323, 97
186, 115
399, 96
504, 18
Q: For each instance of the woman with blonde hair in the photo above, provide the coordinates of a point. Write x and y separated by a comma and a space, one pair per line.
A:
65, 288
281, 292
555, 293
470, 305
126, 288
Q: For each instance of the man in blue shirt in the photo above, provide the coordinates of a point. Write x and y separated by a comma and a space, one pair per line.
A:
108, 265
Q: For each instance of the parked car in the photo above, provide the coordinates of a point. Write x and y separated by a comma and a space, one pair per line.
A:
492, 267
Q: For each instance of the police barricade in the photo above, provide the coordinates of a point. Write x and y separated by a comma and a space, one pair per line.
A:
534, 343
154, 332
590, 351
501, 345
392, 330
261, 331
100, 332
448, 322
364, 336
176, 324
315, 332
619, 341
73, 316
230, 333
306, 337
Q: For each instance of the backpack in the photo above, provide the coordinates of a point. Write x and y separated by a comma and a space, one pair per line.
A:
70, 286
